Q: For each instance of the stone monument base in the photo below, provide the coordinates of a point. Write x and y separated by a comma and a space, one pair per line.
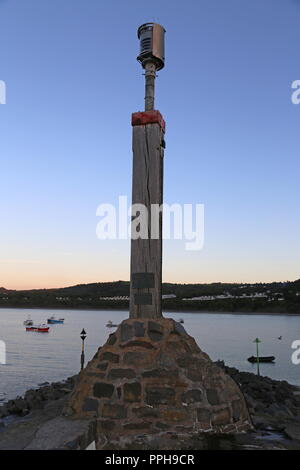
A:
151, 378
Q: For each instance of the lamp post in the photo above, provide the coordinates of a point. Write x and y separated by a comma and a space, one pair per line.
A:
257, 341
82, 336
147, 182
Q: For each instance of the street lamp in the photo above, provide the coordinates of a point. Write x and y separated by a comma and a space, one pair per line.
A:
82, 336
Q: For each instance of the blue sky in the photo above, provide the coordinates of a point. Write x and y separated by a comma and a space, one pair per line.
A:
65, 137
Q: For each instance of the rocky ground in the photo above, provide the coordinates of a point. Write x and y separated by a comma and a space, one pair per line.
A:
30, 422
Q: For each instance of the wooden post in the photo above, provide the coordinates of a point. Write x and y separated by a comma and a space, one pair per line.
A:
147, 189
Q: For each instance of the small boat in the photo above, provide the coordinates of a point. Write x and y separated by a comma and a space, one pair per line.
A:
181, 320
110, 324
52, 320
28, 322
279, 337
39, 328
253, 359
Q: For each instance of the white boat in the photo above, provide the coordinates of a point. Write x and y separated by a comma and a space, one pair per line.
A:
110, 324
28, 322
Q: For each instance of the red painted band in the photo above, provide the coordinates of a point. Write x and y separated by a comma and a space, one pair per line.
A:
148, 117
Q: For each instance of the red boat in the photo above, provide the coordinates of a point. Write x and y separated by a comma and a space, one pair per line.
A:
38, 328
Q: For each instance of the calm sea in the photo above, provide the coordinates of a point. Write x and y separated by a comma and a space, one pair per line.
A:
33, 358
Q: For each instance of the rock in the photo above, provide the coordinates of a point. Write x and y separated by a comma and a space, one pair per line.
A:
17, 406
3, 411
293, 431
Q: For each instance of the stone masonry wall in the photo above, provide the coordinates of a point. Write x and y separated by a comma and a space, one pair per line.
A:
151, 377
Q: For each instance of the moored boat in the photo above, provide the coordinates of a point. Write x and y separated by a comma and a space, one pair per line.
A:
28, 322
253, 359
110, 324
39, 328
52, 320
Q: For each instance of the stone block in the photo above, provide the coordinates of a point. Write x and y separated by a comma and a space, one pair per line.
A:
103, 390
175, 415
194, 374
203, 415
98, 375
114, 411
135, 357
212, 396
185, 360
162, 373
109, 356
146, 412
179, 329
137, 426
132, 391
221, 417
127, 332
90, 404
155, 331
139, 330
106, 424
160, 395
162, 426
112, 339
140, 344
102, 365
236, 410
192, 396
121, 374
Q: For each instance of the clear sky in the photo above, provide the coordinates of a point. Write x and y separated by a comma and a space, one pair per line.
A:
232, 135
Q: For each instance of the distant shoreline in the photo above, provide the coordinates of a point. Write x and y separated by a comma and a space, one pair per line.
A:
110, 309
281, 298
